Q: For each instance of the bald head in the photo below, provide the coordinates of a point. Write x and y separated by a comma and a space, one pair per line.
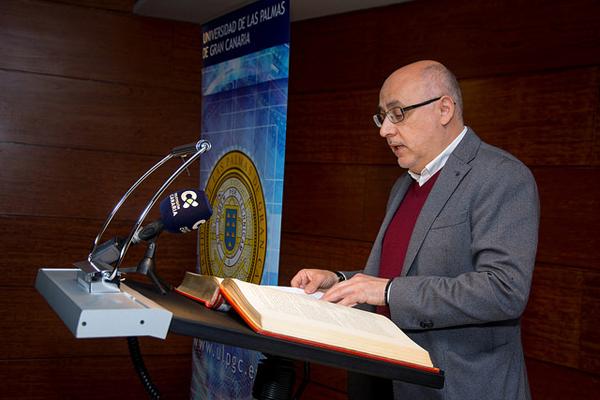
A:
428, 79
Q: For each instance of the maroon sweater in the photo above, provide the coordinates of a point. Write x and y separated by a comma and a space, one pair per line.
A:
397, 236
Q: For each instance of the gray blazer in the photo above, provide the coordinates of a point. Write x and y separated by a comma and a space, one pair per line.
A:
467, 273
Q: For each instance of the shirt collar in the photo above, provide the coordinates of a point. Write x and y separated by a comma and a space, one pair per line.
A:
437, 163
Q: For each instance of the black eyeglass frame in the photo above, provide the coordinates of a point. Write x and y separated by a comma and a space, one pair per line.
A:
403, 110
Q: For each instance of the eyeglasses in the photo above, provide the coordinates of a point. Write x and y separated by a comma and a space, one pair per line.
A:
397, 114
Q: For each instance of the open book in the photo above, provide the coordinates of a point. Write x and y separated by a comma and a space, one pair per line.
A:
304, 319
206, 290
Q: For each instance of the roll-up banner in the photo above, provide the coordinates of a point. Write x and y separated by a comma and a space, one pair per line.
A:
245, 57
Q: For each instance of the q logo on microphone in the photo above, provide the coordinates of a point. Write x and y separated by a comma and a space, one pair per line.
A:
189, 199
234, 241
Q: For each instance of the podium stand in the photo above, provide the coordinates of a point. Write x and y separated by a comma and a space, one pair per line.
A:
193, 319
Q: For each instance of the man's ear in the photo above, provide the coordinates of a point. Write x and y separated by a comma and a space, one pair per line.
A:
447, 110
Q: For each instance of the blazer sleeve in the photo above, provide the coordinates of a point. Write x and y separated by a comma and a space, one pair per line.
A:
504, 218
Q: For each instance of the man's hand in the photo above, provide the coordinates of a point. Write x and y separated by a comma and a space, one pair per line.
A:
312, 280
360, 289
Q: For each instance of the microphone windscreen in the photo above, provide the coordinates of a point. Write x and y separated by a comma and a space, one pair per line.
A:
185, 210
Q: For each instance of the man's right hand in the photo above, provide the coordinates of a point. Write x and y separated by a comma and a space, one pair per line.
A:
312, 280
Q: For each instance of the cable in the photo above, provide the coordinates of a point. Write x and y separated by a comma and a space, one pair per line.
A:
140, 367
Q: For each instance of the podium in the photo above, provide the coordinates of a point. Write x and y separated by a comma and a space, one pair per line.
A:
141, 309
193, 319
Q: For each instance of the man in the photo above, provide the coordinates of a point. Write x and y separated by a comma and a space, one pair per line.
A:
453, 259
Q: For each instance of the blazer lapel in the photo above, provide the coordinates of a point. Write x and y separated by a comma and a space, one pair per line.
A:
395, 202
451, 175
372, 266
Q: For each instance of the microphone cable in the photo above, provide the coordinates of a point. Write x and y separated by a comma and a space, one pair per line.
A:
140, 368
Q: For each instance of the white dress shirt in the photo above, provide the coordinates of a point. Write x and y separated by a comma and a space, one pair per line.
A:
437, 163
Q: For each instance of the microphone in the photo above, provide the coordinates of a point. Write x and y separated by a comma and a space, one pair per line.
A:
180, 212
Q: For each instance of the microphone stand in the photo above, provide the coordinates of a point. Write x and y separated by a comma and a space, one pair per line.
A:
96, 276
147, 266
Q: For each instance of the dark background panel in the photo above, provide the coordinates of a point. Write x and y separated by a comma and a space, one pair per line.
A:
544, 118
551, 382
474, 39
87, 377
306, 251
65, 182
116, 5
85, 114
555, 298
344, 200
590, 308
570, 204
55, 38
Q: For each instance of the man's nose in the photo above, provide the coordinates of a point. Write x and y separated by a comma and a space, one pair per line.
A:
387, 128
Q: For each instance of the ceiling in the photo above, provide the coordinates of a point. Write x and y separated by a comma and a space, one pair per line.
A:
201, 11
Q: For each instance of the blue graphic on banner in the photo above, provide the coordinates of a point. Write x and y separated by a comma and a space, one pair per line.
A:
230, 228
222, 372
244, 111
251, 117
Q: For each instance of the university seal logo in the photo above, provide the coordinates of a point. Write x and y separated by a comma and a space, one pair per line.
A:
234, 241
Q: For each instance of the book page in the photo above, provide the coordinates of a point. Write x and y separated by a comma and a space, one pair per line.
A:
267, 301
298, 291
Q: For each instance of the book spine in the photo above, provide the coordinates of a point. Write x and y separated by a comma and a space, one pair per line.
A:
241, 313
189, 296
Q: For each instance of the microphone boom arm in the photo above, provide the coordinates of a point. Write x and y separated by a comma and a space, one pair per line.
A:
120, 203
196, 149
202, 147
